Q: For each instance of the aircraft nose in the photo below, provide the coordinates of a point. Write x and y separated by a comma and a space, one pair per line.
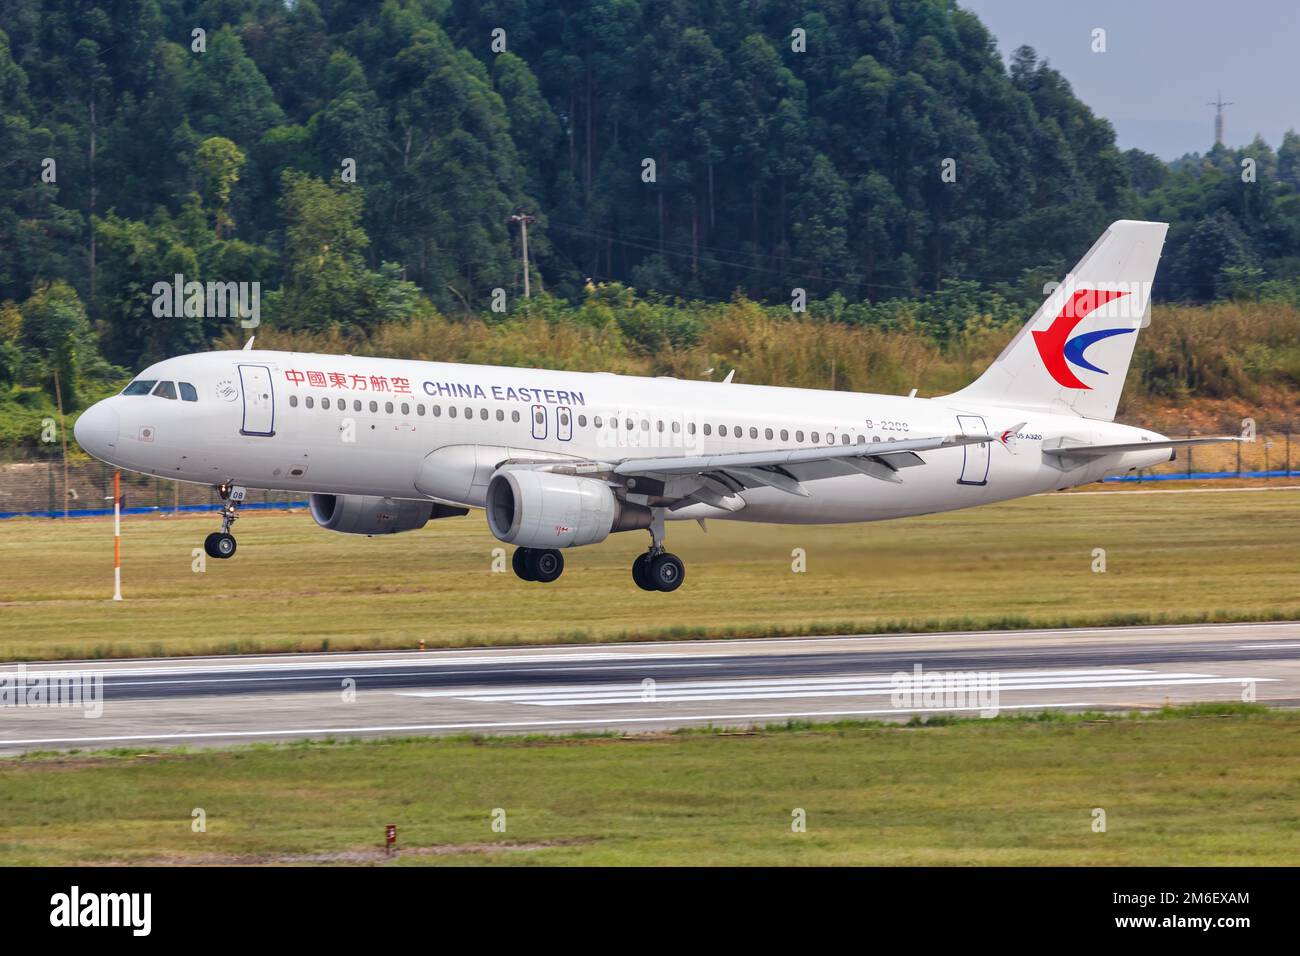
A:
96, 430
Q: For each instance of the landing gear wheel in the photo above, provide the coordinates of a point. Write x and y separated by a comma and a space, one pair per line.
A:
545, 564
219, 544
641, 572
519, 561
666, 572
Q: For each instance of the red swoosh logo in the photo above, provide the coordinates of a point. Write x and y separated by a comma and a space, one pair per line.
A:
1051, 343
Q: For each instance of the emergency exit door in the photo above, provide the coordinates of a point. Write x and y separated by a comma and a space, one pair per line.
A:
975, 466
259, 400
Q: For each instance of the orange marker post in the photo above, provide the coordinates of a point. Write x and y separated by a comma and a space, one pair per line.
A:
117, 535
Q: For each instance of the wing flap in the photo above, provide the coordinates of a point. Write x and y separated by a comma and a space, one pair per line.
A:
697, 464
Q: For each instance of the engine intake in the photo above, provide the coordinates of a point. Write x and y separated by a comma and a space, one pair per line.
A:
541, 509
372, 514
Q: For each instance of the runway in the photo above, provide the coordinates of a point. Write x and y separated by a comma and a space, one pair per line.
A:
218, 701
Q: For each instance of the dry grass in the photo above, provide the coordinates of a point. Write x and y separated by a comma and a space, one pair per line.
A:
293, 586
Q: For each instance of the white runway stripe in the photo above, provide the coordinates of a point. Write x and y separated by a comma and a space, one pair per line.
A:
822, 687
313, 732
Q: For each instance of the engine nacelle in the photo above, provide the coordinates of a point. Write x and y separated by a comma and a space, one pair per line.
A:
541, 509
371, 514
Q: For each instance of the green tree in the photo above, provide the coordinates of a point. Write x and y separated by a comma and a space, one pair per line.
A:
326, 282
217, 162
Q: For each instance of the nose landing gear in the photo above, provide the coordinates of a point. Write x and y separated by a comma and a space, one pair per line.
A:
657, 569
221, 544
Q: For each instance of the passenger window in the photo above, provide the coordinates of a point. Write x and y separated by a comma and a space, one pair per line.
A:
501, 415
188, 392
677, 427
708, 429
598, 422
798, 436
469, 413
722, 430
767, 433
862, 439
141, 386
514, 416
539, 418
690, 428
374, 406
582, 421
436, 410
844, 439
815, 438
753, 432
564, 418
483, 414
659, 425
419, 409
451, 411
406, 409
293, 401
388, 407
785, 434
309, 401
165, 390
325, 404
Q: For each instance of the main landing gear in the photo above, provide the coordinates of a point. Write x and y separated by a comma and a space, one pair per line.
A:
537, 564
221, 544
657, 570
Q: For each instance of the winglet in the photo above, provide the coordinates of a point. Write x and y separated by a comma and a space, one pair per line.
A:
1008, 436
248, 346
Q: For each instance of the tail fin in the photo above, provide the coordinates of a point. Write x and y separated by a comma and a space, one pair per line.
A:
1073, 355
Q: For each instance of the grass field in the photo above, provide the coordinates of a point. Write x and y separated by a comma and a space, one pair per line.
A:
1172, 557
1188, 787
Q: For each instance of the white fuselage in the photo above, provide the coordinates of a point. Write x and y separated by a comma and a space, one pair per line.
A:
350, 425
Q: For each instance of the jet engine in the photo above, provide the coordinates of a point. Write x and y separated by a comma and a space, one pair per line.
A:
542, 509
372, 514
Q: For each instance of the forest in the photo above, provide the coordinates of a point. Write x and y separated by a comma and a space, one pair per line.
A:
681, 160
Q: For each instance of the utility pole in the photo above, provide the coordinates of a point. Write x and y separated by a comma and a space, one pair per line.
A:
524, 219
1218, 105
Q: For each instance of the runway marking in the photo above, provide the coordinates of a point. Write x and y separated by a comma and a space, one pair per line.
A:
342, 663
489, 725
822, 687
631, 650
343, 672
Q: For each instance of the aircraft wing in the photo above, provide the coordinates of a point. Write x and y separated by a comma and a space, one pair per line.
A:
716, 479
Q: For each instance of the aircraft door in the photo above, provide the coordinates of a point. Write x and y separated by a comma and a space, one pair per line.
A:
259, 400
539, 422
975, 466
563, 423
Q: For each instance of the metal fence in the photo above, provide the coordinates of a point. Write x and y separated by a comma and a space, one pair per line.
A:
34, 482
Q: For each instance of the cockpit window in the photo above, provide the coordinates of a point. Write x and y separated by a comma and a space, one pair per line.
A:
165, 390
188, 392
141, 386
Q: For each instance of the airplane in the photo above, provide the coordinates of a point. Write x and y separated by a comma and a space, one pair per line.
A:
559, 460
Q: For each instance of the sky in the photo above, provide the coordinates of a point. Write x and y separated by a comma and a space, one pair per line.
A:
1165, 60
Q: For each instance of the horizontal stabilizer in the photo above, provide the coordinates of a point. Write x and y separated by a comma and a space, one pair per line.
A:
1094, 451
